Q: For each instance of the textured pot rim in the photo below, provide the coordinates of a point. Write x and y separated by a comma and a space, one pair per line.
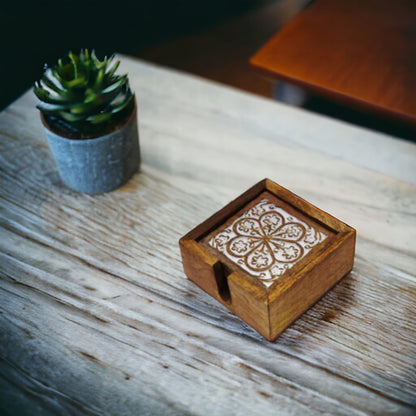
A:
103, 137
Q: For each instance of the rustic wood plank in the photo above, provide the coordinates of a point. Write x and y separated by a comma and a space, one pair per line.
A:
98, 317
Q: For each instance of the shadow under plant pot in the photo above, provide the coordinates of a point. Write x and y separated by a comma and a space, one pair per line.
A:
100, 164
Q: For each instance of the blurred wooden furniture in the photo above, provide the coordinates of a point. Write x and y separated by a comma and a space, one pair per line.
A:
360, 53
97, 316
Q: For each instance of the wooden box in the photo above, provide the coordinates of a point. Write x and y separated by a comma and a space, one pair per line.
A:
268, 256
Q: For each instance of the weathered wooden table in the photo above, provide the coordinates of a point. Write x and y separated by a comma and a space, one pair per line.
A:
97, 317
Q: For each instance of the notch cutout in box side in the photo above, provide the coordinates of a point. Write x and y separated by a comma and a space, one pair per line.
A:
221, 273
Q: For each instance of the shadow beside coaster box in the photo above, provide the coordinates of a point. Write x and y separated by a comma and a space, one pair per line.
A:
268, 256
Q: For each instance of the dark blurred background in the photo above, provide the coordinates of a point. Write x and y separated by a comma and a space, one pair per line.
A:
38, 32
213, 39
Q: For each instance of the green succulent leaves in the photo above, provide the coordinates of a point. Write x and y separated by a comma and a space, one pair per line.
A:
84, 92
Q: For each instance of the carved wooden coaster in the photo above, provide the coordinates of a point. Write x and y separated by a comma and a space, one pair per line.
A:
268, 256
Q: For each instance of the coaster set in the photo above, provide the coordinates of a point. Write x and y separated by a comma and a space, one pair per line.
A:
268, 256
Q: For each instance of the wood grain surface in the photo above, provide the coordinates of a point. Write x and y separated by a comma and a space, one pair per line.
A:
98, 318
360, 53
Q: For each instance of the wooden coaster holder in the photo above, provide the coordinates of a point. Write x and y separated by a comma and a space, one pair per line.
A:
268, 256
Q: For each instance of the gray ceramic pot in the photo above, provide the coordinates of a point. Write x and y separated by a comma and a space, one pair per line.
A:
100, 164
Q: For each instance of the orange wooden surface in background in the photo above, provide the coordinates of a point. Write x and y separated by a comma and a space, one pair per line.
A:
361, 53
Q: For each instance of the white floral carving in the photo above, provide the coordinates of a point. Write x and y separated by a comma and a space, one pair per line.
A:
266, 241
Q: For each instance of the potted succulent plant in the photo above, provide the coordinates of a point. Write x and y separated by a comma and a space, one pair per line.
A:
89, 115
